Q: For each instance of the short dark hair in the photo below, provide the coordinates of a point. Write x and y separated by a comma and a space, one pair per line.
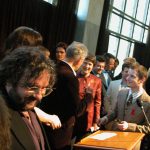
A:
62, 44
91, 58
100, 58
28, 61
22, 36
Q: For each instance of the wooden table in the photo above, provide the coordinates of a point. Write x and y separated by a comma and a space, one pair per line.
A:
122, 140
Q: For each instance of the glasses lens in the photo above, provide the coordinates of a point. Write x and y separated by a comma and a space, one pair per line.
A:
48, 91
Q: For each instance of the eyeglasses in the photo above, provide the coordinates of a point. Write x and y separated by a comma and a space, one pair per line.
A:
34, 89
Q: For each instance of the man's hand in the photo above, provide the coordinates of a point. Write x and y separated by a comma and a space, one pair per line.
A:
50, 120
123, 125
103, 121
53, 121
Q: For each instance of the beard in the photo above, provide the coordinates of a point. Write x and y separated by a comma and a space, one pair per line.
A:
22, 103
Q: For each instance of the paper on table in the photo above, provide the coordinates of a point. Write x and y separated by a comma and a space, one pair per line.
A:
103, 136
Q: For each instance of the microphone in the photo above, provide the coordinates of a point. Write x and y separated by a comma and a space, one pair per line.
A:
140, 104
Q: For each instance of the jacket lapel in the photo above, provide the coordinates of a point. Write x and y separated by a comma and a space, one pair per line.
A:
103, 80
123, 101
21, 131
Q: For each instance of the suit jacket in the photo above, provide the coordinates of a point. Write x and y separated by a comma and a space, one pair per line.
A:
104, 90
110, 99
132, 113
64, 101
92, 113
20, 134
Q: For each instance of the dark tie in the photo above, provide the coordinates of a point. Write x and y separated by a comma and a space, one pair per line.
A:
130, 100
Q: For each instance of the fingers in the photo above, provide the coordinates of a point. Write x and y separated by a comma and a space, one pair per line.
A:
54, 122
103, 120
123, 125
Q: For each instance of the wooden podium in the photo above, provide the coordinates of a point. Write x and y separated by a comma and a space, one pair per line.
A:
112, 140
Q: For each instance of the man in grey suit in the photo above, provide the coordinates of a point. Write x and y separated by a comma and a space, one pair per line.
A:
128, 114
114, 88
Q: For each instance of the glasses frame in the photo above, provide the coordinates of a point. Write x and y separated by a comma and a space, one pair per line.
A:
32, 89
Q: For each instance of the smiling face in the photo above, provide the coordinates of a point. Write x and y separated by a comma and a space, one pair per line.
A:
99, 67
86, 68
133, 80
21, 95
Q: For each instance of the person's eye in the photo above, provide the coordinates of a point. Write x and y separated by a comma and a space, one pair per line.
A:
34, 88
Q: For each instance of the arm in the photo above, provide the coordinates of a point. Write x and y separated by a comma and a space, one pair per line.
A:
107, 99
133, 127
97, 104
110, 117
50, 120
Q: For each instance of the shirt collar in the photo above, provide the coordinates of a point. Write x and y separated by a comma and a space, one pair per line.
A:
70, 67
136, 94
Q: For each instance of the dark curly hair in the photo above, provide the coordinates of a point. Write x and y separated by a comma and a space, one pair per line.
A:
28, 61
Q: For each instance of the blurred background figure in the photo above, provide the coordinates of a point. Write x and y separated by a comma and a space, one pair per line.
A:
21, 36
61, 51
45, 51
128, 60
111, 64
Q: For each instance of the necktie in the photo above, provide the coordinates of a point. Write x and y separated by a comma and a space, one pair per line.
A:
130, 100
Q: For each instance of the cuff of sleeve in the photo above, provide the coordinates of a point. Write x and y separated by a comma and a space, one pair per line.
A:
131, 127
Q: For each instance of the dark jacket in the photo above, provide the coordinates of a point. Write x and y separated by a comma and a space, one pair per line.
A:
20, 134
64, 101
104, 90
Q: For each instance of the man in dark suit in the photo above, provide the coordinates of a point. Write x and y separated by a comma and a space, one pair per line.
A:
26, 76
64, 101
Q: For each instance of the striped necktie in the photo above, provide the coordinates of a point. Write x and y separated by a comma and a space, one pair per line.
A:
129, 101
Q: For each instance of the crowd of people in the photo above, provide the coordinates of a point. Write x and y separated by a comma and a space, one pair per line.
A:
50, 104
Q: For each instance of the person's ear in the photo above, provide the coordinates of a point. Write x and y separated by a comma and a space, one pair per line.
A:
143, 80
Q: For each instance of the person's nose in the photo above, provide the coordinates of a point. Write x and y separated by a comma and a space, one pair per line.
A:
127, 77
39, 94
